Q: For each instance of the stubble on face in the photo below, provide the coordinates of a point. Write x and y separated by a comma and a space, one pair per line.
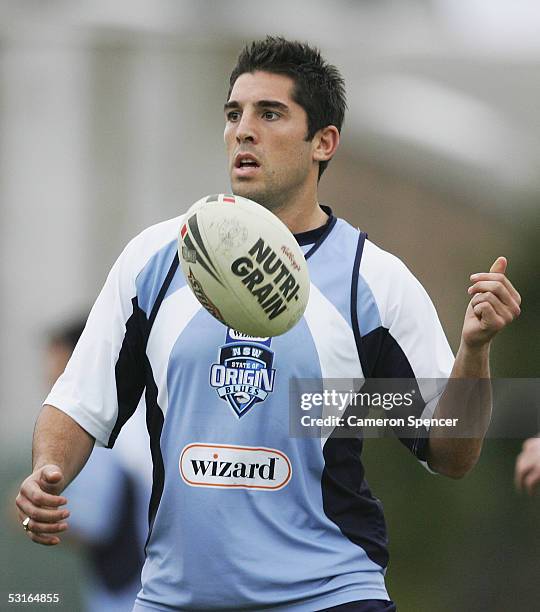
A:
274, 193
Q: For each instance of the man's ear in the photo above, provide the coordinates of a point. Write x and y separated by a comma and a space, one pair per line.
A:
325, 143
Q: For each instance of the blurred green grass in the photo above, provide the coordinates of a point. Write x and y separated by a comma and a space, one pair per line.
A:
28, 567
471, 545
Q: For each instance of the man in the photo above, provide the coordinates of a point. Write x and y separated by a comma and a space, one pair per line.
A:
527, 474
316, 539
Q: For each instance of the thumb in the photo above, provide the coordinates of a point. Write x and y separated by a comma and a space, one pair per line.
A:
499, 265
51, 474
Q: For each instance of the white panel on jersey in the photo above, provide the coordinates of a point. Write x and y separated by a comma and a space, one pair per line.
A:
175, 313
336, 348
87, 389
408, 313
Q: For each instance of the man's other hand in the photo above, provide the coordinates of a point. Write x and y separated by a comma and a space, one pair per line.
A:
527, 474
39, 500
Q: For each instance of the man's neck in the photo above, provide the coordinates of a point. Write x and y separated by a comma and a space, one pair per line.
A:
301, 211
300, 220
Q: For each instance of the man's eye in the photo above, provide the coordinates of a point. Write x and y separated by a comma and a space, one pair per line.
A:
271, 115
233, 116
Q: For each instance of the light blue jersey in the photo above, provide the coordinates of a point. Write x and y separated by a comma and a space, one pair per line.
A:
243, 516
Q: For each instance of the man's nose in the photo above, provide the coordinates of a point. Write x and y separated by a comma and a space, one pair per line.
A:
246, 130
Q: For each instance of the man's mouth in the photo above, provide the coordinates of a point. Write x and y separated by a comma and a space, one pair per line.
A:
245, 164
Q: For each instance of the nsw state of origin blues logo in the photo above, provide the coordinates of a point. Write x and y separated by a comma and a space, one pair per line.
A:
244, 375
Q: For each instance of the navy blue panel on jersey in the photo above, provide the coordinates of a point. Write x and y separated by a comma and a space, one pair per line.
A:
348, 502
373, 605
154, 423
129, 369
354, 300
387, 360
151, 278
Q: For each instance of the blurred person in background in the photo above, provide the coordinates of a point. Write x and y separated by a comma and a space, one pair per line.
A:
527, 474
320, 541
108, 500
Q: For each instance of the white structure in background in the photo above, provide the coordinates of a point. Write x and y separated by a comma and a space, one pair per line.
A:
110, 115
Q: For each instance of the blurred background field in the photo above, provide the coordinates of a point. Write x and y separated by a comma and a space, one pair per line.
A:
111, 120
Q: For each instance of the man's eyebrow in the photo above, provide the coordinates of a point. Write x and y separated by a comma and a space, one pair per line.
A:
233, 104
272, 104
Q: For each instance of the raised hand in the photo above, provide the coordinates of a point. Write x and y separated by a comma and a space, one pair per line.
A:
495, 303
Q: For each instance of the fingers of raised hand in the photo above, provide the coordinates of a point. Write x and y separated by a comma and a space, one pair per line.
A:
505, 301
492, 310
500, 278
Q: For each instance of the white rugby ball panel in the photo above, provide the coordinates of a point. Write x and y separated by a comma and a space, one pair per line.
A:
234, 308
210, 283
229, 238
244, 265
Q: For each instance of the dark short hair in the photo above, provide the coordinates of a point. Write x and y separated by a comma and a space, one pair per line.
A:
319, 87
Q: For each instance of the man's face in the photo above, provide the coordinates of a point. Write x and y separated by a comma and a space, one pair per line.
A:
265, 136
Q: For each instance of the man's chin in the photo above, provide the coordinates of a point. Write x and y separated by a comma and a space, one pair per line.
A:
251, 192
248, 191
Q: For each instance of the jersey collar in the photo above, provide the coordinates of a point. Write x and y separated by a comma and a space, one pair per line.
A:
318, 235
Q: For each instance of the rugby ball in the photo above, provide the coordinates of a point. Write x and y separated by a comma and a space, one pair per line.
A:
243, 265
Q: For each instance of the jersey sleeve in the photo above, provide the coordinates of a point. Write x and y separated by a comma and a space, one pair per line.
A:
90, 390
406, 342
